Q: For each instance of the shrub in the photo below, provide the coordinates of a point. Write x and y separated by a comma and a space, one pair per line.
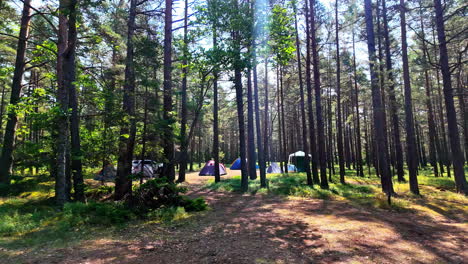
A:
194, 205
158, 193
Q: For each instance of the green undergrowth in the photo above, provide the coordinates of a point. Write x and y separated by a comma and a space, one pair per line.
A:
30, 219
437, 193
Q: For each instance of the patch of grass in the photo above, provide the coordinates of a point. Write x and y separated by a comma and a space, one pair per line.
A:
29, 218
437, 192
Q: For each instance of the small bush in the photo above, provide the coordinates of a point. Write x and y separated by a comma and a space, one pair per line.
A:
168, 214
194, 205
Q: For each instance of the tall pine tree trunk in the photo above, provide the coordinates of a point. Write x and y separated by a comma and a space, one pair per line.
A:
123, 183
318, 100
457, 155
410, 136
6, 159
312, 140
168, 138
70, 78
358, 121
251, 159
387, 185
302, 104
392, 98
339, 138
183, 122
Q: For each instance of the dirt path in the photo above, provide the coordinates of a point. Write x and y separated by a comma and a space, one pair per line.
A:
271, 229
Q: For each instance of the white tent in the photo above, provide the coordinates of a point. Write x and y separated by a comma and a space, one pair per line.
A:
297, 154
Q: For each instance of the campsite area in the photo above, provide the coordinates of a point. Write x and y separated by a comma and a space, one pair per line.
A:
233, 131
266, 227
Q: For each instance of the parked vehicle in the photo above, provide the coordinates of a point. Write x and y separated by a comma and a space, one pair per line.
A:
149, 167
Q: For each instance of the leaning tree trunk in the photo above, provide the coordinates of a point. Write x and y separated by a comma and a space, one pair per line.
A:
387, 185
410, 137
457, 155
6, 159
123, 184
318, 100
168, 138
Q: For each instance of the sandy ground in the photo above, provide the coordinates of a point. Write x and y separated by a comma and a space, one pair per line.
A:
270, 229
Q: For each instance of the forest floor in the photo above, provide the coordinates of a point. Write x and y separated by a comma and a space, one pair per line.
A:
271, 228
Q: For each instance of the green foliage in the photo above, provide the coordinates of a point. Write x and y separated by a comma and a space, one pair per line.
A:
167, 214
95, 213
281, 35
194, 205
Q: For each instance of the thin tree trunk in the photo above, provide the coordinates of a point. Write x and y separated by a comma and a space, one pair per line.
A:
358, 122
302, 104
123, 184
6, 159
318, 100
183, 122
387, 185
260, 147
215, 111
457, 155
393, 104
168, 138
312, 140
339, 139
267, 118
251, 159
70, 78
410, 136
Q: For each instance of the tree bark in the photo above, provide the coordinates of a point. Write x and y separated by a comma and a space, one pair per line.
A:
358, 122
302, 104
312, 140
410, 136
123, 183
183, 122
251, 159
457, 155
6, 159
70, 78
168, 138
393, 103
339, 136
318, 100
386, 181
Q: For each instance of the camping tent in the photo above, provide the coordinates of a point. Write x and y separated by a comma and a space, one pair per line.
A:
274, 168
298, 159
209, 169
292, 168
236, 165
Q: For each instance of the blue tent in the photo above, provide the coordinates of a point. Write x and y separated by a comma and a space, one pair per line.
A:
236, 165
292, 168
209, 169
